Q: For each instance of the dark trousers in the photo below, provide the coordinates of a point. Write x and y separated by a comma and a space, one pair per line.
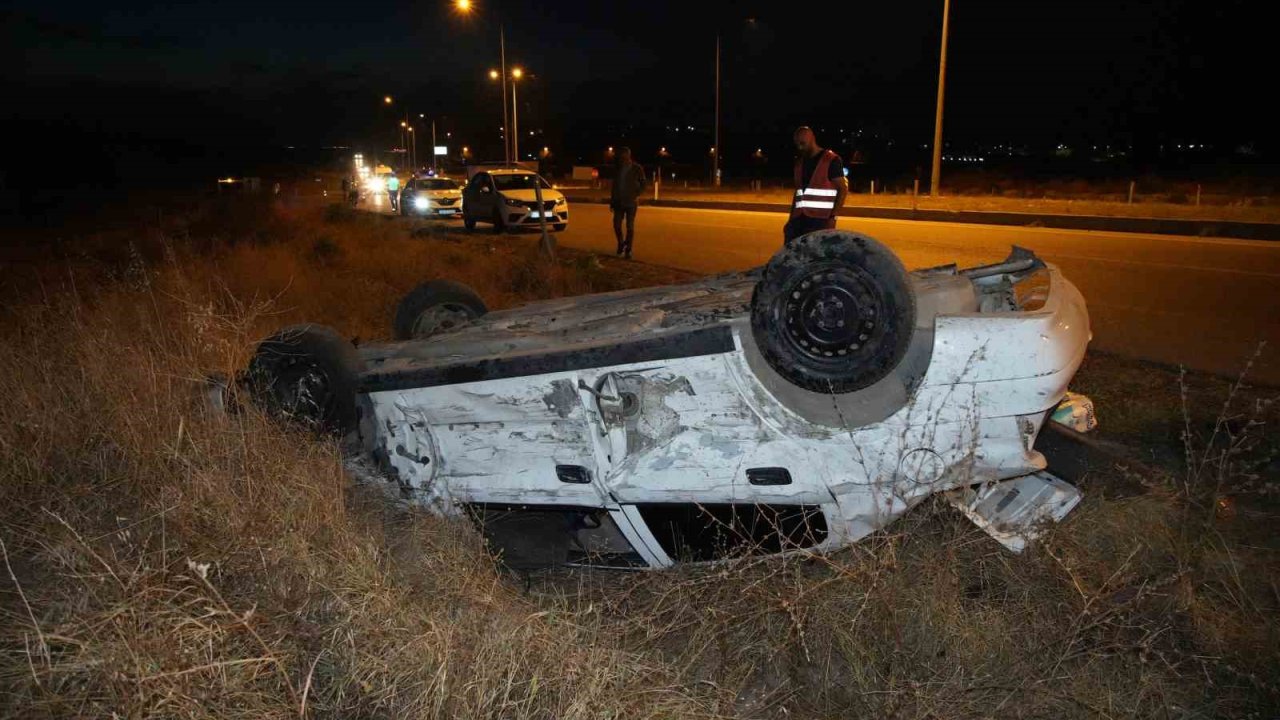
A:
803, 225
395, 200
628, 214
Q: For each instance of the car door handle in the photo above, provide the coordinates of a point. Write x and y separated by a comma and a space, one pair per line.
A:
769, 476
575, 474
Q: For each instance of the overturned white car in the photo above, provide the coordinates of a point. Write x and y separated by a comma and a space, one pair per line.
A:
797, 407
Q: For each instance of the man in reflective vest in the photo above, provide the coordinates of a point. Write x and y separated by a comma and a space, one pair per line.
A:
821, 188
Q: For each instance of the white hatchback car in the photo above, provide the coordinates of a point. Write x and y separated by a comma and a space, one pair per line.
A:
794, 408
508, 199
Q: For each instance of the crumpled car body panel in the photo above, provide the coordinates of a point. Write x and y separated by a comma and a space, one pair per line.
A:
639, 403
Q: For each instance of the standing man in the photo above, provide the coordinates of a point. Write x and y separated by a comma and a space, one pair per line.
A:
821, 188
624, 198
393, 191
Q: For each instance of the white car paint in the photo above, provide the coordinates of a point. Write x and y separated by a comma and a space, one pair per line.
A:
483, 197
489, 413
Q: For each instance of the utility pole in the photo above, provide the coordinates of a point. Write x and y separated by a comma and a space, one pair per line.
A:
515, 123
433, 146
935, 178
502, 50
715, 152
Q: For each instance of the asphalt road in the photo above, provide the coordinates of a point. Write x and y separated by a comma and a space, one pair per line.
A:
1201, 302
1205, 303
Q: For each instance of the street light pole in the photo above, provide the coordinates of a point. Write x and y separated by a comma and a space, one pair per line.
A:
433, 146
715, 154
515, 123
935, 177
464, 6
502, 50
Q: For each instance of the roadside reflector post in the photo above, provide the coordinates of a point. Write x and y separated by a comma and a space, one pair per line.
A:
1132, 183
873, 187
547, 245
1197, 194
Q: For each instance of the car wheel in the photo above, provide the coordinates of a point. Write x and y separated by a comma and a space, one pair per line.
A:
499, 225
468, 222
561, 226
834, 312
436, 306
308, 373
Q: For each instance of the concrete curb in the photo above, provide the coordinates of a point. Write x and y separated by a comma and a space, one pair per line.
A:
1156, 226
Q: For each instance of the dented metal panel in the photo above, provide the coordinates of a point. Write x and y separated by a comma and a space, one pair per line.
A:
651, 397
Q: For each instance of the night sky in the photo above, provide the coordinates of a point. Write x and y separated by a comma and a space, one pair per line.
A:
196, 84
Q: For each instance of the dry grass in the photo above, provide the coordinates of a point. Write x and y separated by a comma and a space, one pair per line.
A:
161, 561
169, 562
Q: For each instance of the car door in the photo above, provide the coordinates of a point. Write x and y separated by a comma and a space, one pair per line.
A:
694, 468
522, 439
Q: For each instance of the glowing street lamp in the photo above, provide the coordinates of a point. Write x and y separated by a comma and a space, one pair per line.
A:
465, 7
516, 74
386, 100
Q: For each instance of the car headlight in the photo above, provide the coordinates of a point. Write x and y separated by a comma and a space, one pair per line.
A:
561, 201
513, 202
421, 202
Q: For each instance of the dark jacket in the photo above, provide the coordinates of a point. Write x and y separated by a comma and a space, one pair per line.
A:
627, 186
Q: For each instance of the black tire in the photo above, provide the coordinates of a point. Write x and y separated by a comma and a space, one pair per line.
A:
499, 225
436, 306
834, 312
310, 374
468, 222
559, 227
